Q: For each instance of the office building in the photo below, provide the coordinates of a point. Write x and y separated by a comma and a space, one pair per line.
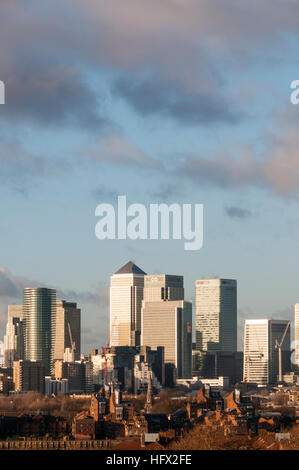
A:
297, 334
29, 376
6, 384
163, 287
261, 353
212, 364
14, 338
169, 324
216, 315
53, 387
39, 313
149, 365
68, 331
73, 371
78, 373
126, 293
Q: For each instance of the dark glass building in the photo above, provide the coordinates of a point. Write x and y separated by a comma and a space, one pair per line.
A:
40, 318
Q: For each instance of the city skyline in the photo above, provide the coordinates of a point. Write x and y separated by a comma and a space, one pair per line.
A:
185, 102
176, 277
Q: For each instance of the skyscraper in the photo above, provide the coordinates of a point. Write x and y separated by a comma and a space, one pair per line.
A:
68, 328
260, 353
169, 324
14, 338
29, 376
126, 293
216, 315
40, 316
297, 334
163, 287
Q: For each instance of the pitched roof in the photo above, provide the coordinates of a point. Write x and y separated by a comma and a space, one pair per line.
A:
130, 268
154, 446
128, 445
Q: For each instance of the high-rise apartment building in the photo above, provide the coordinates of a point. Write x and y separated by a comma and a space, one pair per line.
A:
14, 338
297, 334
126, 294
216, 315
261, 353
29, 376
40, 317
68, 330
163, 287
169, 324
78, 373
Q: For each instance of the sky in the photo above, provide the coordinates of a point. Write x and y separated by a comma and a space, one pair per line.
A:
180, 101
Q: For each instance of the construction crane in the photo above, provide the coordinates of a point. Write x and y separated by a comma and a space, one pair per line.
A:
73, 344
278, 345
106, 366
104, 355
104, 352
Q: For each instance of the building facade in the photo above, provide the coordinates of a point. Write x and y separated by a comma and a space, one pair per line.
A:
297, 334
216, 314
126, 294
53, 387
40, 317
169, 324
260, 351
29, 376
163, 287
14, 338
68, 330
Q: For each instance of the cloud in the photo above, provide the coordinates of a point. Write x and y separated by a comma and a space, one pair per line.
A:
17, 164
11, 287
100, 296
165, 191
235, 212
105, 193
224, 170
152, 96
277, 170
50, 94
117, 149
54, 48
11, 292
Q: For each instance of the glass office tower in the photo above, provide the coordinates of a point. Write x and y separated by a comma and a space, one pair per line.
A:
40, 318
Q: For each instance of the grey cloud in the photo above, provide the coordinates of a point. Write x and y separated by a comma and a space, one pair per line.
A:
277, 170
236, 212
165, 191
104, 193
153, 96
11, 287
17, 164
99, 296
50, 94
48, 48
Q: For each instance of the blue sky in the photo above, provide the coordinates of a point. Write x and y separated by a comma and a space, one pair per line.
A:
174, 101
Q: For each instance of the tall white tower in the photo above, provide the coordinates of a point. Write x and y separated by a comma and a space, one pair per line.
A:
126, 294
297, 334
14, 338
216, 315
260, 353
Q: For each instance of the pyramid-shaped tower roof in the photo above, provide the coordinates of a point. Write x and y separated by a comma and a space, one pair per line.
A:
130, 268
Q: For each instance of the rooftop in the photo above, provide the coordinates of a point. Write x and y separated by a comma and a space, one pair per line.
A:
130, 268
